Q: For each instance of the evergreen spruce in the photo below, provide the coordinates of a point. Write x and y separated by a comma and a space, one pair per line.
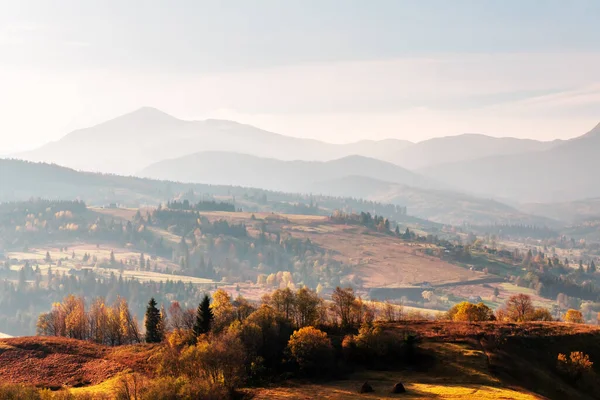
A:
153, 323
204, 317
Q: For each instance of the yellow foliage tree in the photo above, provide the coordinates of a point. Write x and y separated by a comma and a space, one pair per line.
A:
574, 316
222, 309
312, 350
470, 312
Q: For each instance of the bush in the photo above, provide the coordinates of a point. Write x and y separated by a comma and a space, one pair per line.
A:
374, 347
312, 350
19, 392
575, 366
220, 361
542, 314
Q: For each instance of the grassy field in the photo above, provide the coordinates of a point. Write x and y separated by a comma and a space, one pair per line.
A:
459, 373
382, 260
102, 253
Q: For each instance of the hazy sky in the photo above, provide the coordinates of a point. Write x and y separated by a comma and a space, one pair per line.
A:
333, 70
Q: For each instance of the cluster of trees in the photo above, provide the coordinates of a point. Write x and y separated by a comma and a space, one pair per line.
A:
518, 308
204, 205
225, 343
516, 231
24, 295
183, 223
288, 332
100, 323
377, 222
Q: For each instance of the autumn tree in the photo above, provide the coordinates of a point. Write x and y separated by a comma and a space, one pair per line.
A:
243, 308
98, 318
218, 360
470, 312
519, 308
307, 307
51, 323
542, 314
283, 301
152, 323
574, 317
389, 312
128, 324
76, 325
312, 350
177, 316
343, 299
222, 309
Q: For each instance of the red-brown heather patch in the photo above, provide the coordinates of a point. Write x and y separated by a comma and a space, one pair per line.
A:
57, 362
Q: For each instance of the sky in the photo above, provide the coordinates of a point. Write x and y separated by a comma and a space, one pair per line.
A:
334, 70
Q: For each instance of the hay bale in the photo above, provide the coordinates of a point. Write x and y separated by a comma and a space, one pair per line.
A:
366, 388
398, 388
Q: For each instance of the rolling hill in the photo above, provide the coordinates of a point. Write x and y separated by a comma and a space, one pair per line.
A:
441, 206
565, 172
295, 176
22, 180
569, 211
130, 142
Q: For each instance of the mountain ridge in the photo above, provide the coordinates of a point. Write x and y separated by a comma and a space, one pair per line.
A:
565, 172
130, 142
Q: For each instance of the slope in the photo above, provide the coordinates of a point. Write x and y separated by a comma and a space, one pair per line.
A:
132, 141
443, 206
246, 170
563, 173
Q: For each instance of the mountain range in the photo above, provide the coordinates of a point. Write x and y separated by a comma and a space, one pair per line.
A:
296, 176
149, 142
567, 171
133, 141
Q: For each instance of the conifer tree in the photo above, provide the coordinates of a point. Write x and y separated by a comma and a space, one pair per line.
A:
204, 317
153, 323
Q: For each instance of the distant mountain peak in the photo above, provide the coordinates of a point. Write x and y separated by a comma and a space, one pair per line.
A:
148, 112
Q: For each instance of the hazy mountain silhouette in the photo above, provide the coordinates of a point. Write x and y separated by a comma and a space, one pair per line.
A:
130, 142
248, 170
463, 148
569, 211
565, 172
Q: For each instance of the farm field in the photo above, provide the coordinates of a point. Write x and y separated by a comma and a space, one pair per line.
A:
102, 254
381, 260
